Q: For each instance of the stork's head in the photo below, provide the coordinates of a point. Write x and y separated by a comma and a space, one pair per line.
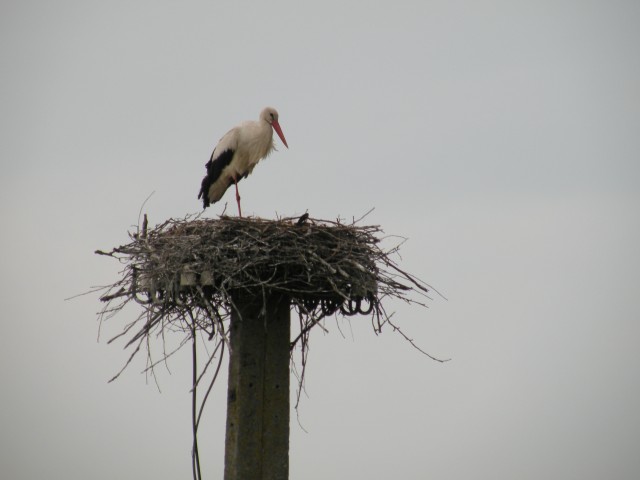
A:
270, 115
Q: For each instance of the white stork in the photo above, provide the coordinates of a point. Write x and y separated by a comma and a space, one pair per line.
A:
236, 155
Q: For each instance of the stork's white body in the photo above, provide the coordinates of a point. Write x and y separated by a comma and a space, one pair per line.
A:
251, 142
236, 155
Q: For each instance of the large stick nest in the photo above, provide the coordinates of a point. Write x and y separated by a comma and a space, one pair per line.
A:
187, 273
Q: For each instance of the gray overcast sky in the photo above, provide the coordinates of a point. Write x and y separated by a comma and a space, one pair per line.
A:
501, 137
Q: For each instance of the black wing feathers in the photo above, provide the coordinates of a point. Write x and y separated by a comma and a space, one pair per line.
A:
214, 170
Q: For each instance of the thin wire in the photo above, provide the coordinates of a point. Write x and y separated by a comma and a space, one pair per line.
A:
197, 475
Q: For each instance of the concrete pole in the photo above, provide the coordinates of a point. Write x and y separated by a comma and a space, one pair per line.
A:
257, 439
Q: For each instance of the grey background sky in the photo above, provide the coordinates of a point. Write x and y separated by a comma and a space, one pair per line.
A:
501, 137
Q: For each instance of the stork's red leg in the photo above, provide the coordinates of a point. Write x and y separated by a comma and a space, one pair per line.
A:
237, 197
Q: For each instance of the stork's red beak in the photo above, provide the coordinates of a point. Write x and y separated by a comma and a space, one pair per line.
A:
276, 127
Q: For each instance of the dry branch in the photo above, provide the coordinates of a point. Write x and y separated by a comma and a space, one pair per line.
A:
186, 272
